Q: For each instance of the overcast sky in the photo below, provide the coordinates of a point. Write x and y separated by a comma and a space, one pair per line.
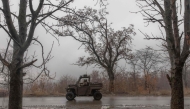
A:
67, 52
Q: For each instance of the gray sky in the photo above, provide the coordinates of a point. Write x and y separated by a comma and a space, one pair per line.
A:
67, 52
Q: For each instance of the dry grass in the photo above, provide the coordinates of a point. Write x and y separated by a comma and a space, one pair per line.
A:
187, 91
124, 84
40, 94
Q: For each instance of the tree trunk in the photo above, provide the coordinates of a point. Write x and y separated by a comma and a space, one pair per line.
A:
145, 82
16, 79
177, 97
111, 86
111, 80
135, 82
16, 89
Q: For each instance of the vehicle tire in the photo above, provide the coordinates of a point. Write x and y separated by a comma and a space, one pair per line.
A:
97, 95
70, 96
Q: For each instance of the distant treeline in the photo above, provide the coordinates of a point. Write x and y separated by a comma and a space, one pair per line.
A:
125, 83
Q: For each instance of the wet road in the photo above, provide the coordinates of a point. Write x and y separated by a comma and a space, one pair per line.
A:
113, 101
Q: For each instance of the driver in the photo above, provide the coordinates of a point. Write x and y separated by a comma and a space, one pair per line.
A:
85, 82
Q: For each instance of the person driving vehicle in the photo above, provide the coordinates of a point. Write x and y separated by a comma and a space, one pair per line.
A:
85, 82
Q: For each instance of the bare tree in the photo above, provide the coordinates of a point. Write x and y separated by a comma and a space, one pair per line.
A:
20, 26
133, 62
148, 62
165, 13
104, 45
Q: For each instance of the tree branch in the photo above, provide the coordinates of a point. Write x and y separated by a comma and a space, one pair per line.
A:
27, 64
8, 19
31, 6
6, 53
6, 63
50, 13
10, 35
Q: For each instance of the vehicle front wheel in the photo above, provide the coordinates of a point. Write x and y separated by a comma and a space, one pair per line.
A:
70, 96
97, 95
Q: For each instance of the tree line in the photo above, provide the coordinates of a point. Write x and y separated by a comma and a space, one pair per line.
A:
126, 83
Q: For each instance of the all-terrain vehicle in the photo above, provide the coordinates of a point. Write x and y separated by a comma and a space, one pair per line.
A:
84, 87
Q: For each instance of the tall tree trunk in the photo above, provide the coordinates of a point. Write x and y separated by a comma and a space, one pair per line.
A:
134, 81
16, 79
111, 80
16, 89
145, 82
177, 96
111, 85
